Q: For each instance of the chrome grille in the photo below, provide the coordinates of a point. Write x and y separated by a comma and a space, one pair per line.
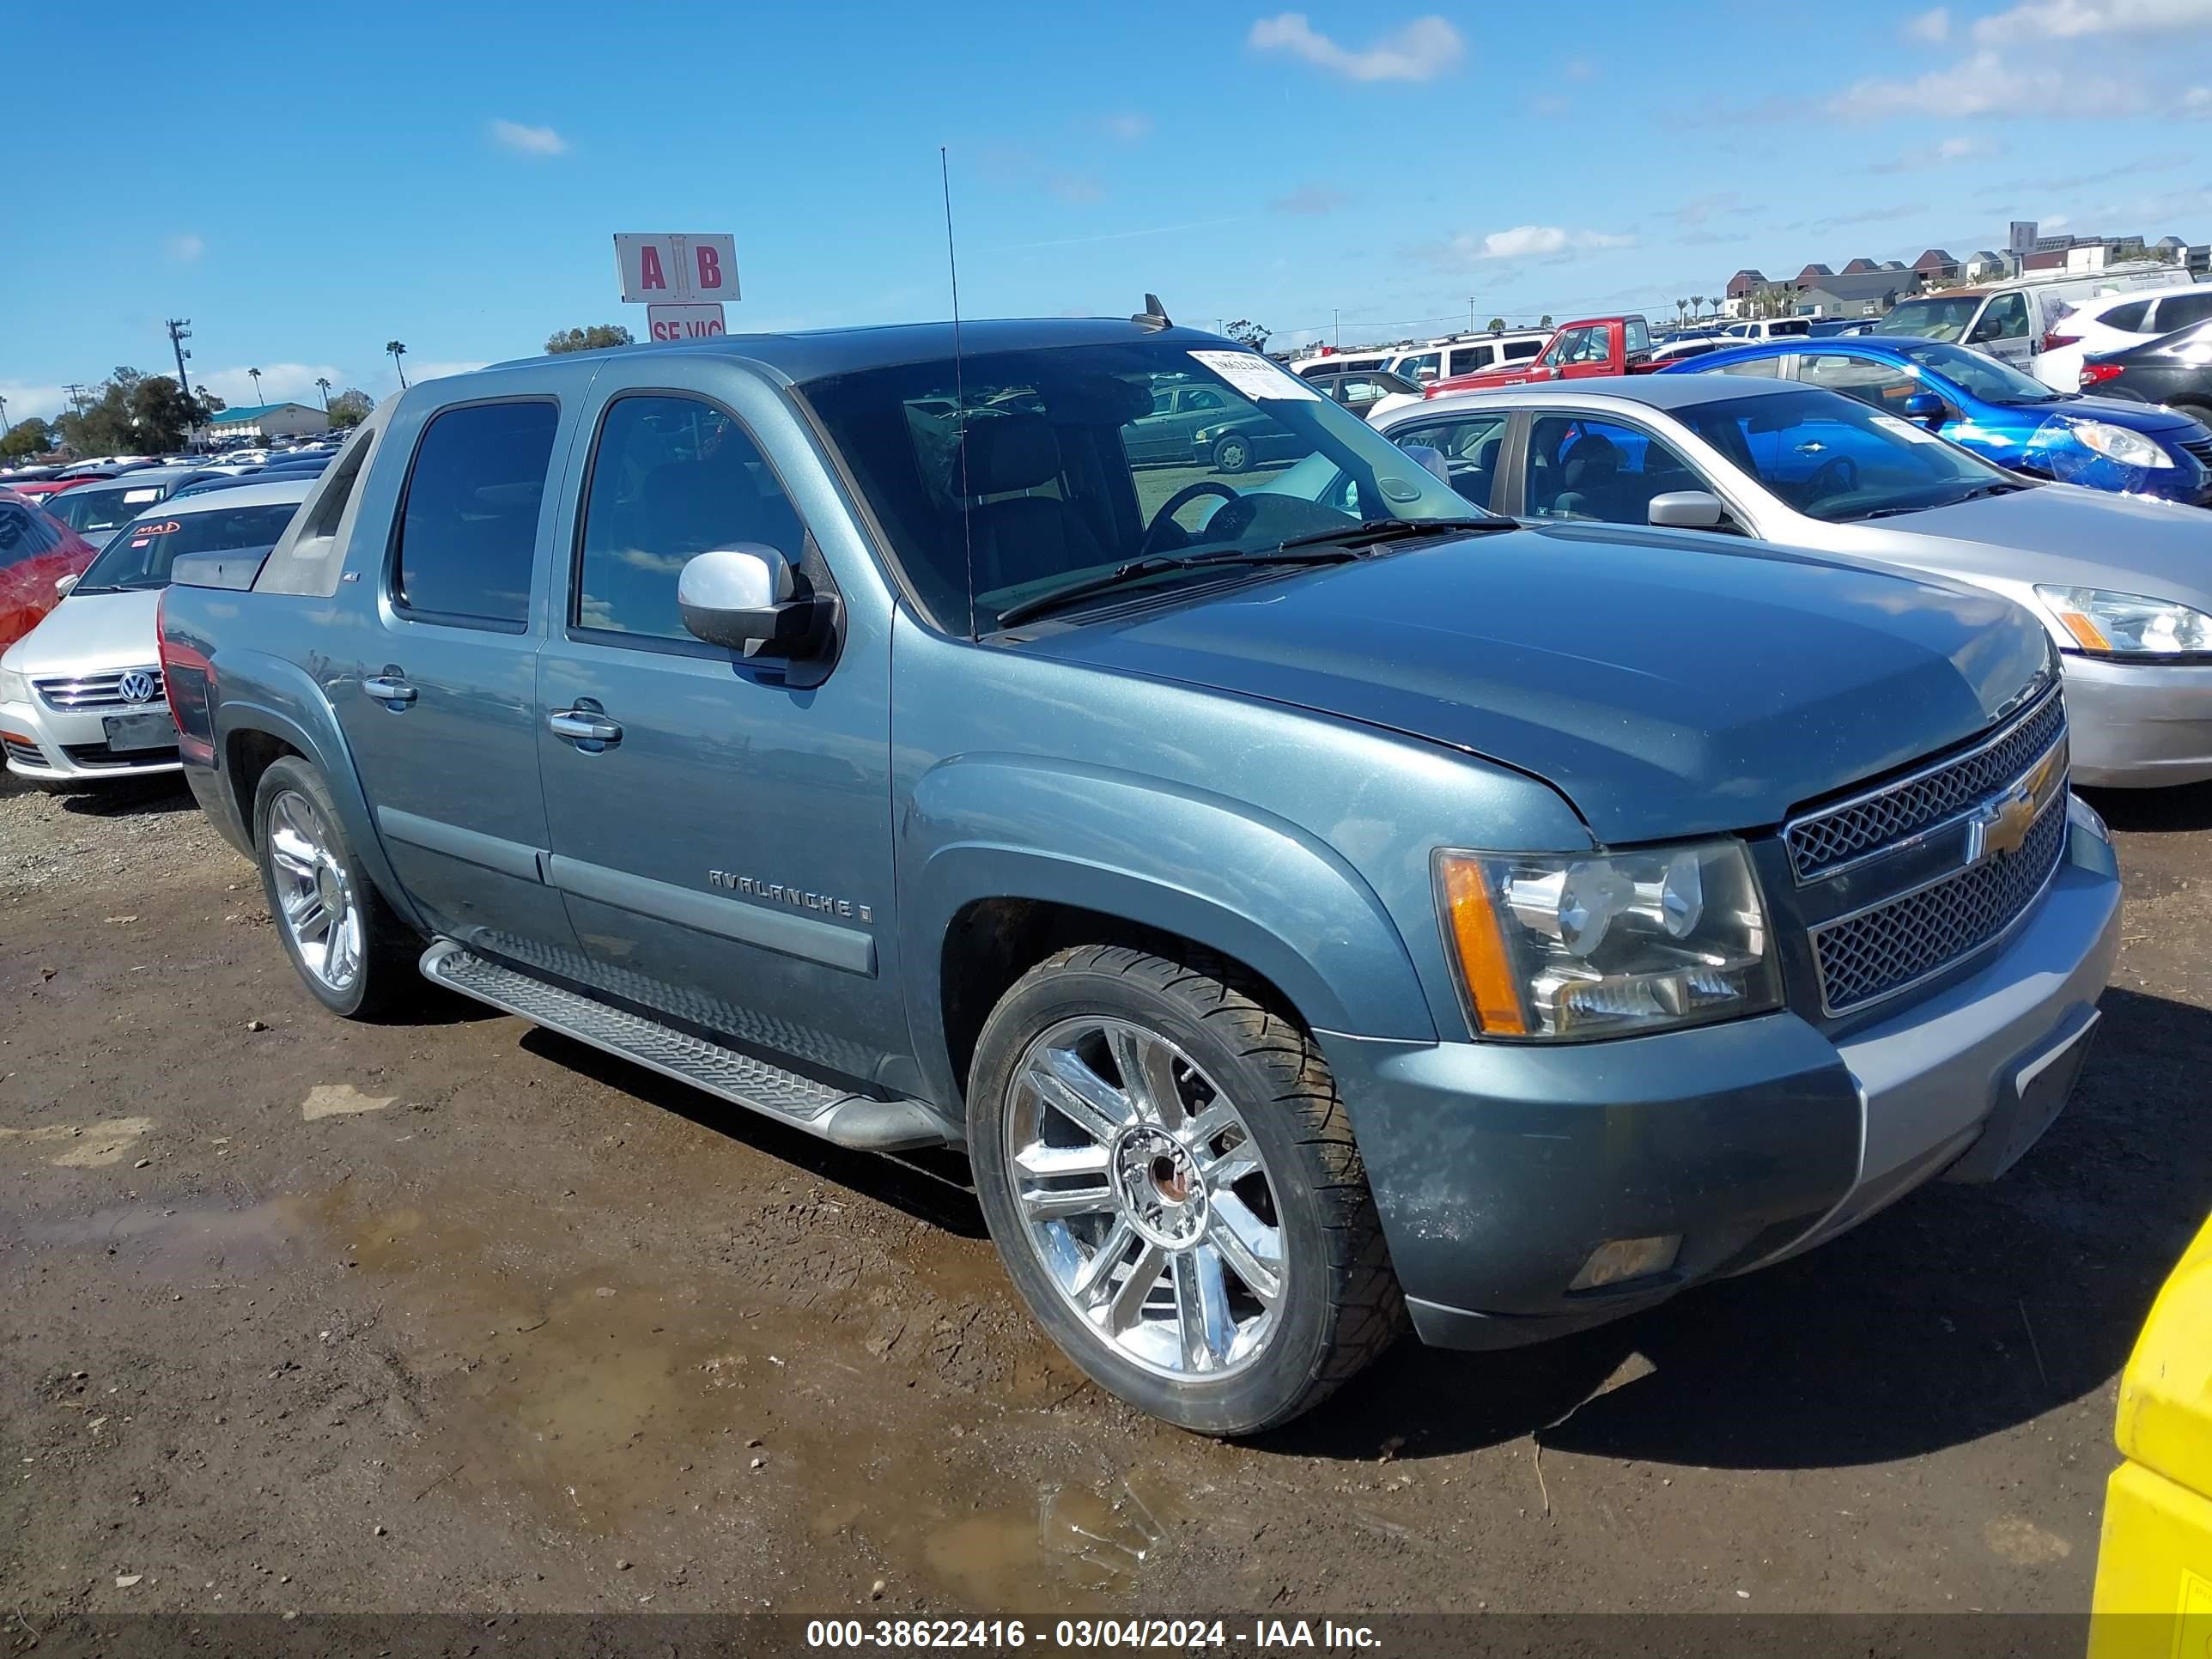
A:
67, 696
1827, 841
1869, 955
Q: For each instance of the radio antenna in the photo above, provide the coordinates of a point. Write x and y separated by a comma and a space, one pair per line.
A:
959, 393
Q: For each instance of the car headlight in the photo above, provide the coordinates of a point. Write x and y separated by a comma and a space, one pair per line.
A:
2108, 624
1592, 945
15, 686
2116, 443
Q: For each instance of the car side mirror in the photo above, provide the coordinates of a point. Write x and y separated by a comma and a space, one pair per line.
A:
1926, 408
747, 597
63, 584
1686, 509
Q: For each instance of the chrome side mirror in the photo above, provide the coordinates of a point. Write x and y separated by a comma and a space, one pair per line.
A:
1686, 509
747, 597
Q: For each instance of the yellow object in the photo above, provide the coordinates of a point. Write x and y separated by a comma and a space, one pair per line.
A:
2154, 1598
1482, 958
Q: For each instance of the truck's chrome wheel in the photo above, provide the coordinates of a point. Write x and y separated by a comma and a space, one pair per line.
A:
1146, 1198
314, 896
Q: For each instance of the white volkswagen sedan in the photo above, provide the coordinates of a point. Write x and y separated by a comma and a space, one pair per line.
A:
81, 699
2122, 583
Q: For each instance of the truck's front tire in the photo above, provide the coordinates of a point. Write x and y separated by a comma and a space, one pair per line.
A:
1173, 1184
354, 956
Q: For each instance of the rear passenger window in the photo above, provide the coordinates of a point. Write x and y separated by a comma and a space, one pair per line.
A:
468, 525
671, 477
23, 535
2128, 317
2179, 311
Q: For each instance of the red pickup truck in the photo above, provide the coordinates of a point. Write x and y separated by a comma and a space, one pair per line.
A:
1595, 345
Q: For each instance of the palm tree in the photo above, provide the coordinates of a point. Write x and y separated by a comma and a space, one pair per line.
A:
1681, 309
396, 351
324, 381
1697, 303
256, 373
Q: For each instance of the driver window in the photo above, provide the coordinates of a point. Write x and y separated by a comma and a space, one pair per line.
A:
671, 477
1469, 449
1580, 467
2005, 318
1878, 385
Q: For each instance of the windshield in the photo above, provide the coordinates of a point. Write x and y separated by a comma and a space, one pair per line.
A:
97, 511
141, 555
1037, 468
1833, 458
1982, 377
1931, 319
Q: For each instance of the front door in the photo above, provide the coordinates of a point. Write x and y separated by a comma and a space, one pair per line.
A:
2003, 330
721, 832
440, 710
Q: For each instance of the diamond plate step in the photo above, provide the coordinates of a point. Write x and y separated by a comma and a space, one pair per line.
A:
820, 1108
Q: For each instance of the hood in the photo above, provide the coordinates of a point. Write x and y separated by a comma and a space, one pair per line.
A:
2060, 533
89, 632
1667, 685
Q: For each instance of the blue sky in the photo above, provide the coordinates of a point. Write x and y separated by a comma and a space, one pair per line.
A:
1355, 163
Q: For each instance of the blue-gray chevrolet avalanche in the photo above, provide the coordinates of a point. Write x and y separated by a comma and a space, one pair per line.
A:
1312, 904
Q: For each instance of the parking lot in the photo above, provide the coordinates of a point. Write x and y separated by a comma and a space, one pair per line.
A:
459, 1315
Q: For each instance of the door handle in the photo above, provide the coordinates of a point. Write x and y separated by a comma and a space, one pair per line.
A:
389, 689
583, 725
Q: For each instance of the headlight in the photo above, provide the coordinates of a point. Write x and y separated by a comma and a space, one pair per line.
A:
2110, 624
1603, 945
2116, 443
15, 686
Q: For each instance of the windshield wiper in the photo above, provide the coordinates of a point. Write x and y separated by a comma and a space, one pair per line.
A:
1159, 564
1371, 533
1997, 487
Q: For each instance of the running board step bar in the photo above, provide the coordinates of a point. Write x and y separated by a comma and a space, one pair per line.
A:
819, 1108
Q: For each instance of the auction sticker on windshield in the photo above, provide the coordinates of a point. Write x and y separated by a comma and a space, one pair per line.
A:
1919, 434
1255, 377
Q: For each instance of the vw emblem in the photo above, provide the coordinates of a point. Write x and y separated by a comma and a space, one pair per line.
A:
136, 686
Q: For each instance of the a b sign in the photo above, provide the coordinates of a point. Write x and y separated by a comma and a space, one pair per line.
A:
684, 322
677, 268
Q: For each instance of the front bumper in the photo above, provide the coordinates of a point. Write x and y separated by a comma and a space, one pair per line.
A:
54, 747
1499, 1169
2138, 726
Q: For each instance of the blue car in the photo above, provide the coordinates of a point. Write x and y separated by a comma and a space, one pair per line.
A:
1999, 413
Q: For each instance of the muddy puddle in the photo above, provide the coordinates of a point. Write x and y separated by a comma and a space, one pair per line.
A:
638, 1403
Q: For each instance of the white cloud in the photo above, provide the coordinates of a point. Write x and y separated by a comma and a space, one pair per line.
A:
280, 383
1550, 103
2055, 222
528, 141
1941, 154
1075, 187
1932, 26
1131, 126
2197, 103
1521, 242
1578, 68
186, 247
2070, 20
1311, 199
1983, 84
25, 399
1418, 50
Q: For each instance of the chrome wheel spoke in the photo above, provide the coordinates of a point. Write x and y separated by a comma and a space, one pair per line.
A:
1208, 1126
313, 902
306, 914
1231, 1167
1058, 1203
1253, 1250
1202, 1316
1147, 1068
1128, 1302
1092, 1279
1078, 1094
1040, 1160
293, 854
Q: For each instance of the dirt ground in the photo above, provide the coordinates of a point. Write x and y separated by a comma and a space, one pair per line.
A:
460, 1316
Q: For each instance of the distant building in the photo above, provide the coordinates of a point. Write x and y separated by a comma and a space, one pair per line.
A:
1985, 266
1892, 265
1936, 265
265, 420
1860, 267
1812, 274
1854, 294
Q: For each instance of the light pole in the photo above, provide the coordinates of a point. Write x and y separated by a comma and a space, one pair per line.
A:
1336, 328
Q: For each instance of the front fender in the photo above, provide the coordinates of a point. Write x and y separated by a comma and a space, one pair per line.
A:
1218, 872
268, 694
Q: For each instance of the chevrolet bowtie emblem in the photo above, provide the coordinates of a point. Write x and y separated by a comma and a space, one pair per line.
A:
2001, 827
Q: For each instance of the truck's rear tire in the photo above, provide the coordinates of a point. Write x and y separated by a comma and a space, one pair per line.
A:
1173, 1184
355, 956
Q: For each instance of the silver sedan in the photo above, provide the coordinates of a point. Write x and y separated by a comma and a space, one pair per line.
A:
2123, 584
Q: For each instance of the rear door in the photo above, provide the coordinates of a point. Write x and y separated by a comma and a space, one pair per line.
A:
439, 706
726, 849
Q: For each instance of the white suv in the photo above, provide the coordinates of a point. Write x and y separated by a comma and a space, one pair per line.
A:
2113, 322
80, 695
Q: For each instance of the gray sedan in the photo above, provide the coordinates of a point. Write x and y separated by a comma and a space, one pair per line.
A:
2123, 584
